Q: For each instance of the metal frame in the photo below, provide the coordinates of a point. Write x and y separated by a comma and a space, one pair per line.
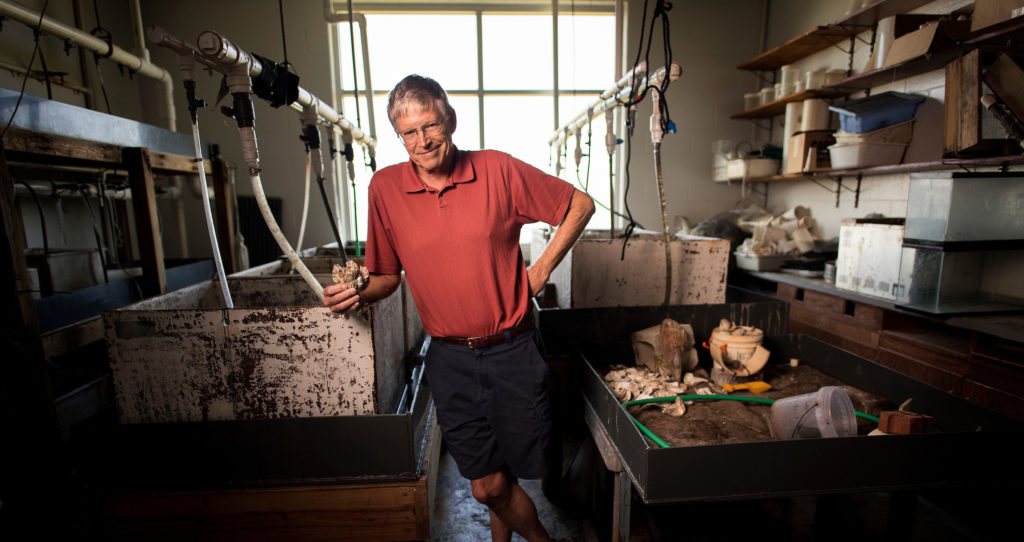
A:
961, 455
259, 453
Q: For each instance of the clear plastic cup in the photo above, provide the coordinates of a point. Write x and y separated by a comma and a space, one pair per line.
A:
827, 412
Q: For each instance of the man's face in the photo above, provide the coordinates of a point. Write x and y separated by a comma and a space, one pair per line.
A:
427, 139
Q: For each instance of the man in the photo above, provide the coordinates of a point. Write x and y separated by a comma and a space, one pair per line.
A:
451, 220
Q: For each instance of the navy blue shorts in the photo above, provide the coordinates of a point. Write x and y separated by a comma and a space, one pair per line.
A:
492, 405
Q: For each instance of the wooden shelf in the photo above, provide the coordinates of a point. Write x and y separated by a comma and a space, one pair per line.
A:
823, 37
778, 107
936, 165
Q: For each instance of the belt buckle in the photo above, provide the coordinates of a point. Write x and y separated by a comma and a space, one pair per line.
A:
476, 342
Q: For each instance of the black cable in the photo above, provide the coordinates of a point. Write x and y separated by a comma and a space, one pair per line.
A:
103, 34
95, 233
28, 69
42, 217
625, 196
284, 43
46, 72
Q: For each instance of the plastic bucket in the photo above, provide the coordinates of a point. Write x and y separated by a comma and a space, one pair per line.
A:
827, 412
730, 350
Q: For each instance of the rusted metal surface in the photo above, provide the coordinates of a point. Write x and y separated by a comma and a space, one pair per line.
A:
320, 265
593, 274
277, 354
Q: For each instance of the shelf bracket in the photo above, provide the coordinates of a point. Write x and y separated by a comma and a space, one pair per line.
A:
764, 195
837, 46
840, 187
766, 126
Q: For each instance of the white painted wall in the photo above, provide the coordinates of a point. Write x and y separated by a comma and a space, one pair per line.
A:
709, 39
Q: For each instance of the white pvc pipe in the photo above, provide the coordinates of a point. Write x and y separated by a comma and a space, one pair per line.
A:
625, 82
275, 230
305, 209
221, 275
98, 46
654, 79
220, 50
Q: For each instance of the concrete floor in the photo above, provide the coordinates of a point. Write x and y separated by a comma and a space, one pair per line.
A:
460, 518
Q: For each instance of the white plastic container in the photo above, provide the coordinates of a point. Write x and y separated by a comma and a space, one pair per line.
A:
814, 79
746, 168
865, 154
827, 412
751, 100
897, 133
753, 262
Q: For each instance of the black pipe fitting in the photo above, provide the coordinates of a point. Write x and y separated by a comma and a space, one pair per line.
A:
244, 113
311, 135
193, 103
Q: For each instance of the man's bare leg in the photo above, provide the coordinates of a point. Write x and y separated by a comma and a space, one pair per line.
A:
511, 506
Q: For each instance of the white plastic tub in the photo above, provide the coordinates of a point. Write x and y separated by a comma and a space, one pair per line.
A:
865, 154
746, 168
897, 133
826, 413
753, 262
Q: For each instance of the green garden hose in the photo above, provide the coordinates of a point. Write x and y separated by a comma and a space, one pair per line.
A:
760, 400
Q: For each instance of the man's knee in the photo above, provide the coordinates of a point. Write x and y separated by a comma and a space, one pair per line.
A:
493, 489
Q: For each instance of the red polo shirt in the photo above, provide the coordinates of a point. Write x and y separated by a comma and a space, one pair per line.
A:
459, 246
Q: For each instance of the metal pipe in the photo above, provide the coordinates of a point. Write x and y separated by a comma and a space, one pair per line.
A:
98, 46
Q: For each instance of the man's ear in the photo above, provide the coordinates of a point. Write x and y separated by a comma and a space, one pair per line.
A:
452, 121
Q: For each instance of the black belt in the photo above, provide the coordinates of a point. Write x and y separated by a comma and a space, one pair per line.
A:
490, 340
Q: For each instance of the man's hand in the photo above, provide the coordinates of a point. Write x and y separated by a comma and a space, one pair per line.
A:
341, 298
537, 280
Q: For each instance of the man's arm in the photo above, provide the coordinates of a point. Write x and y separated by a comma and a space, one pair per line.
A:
581, 208
341, 298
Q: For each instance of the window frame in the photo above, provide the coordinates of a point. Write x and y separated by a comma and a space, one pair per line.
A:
350, 229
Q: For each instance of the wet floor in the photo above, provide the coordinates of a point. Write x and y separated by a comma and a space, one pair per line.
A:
458, 517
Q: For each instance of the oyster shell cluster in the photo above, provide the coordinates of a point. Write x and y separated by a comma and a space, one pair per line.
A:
737, 331
352, 275
633, 383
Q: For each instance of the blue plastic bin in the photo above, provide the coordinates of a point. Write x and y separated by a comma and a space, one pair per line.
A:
878, 111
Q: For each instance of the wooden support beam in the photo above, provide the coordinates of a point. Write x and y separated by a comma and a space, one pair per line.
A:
223, 201
163, 162
27, 141
140, 177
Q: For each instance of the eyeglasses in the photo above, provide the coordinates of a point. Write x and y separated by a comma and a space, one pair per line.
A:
430, 129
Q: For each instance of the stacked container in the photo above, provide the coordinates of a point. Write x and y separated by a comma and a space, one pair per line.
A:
874, 131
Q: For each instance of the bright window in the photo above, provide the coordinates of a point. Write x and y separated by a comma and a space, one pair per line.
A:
514, 92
